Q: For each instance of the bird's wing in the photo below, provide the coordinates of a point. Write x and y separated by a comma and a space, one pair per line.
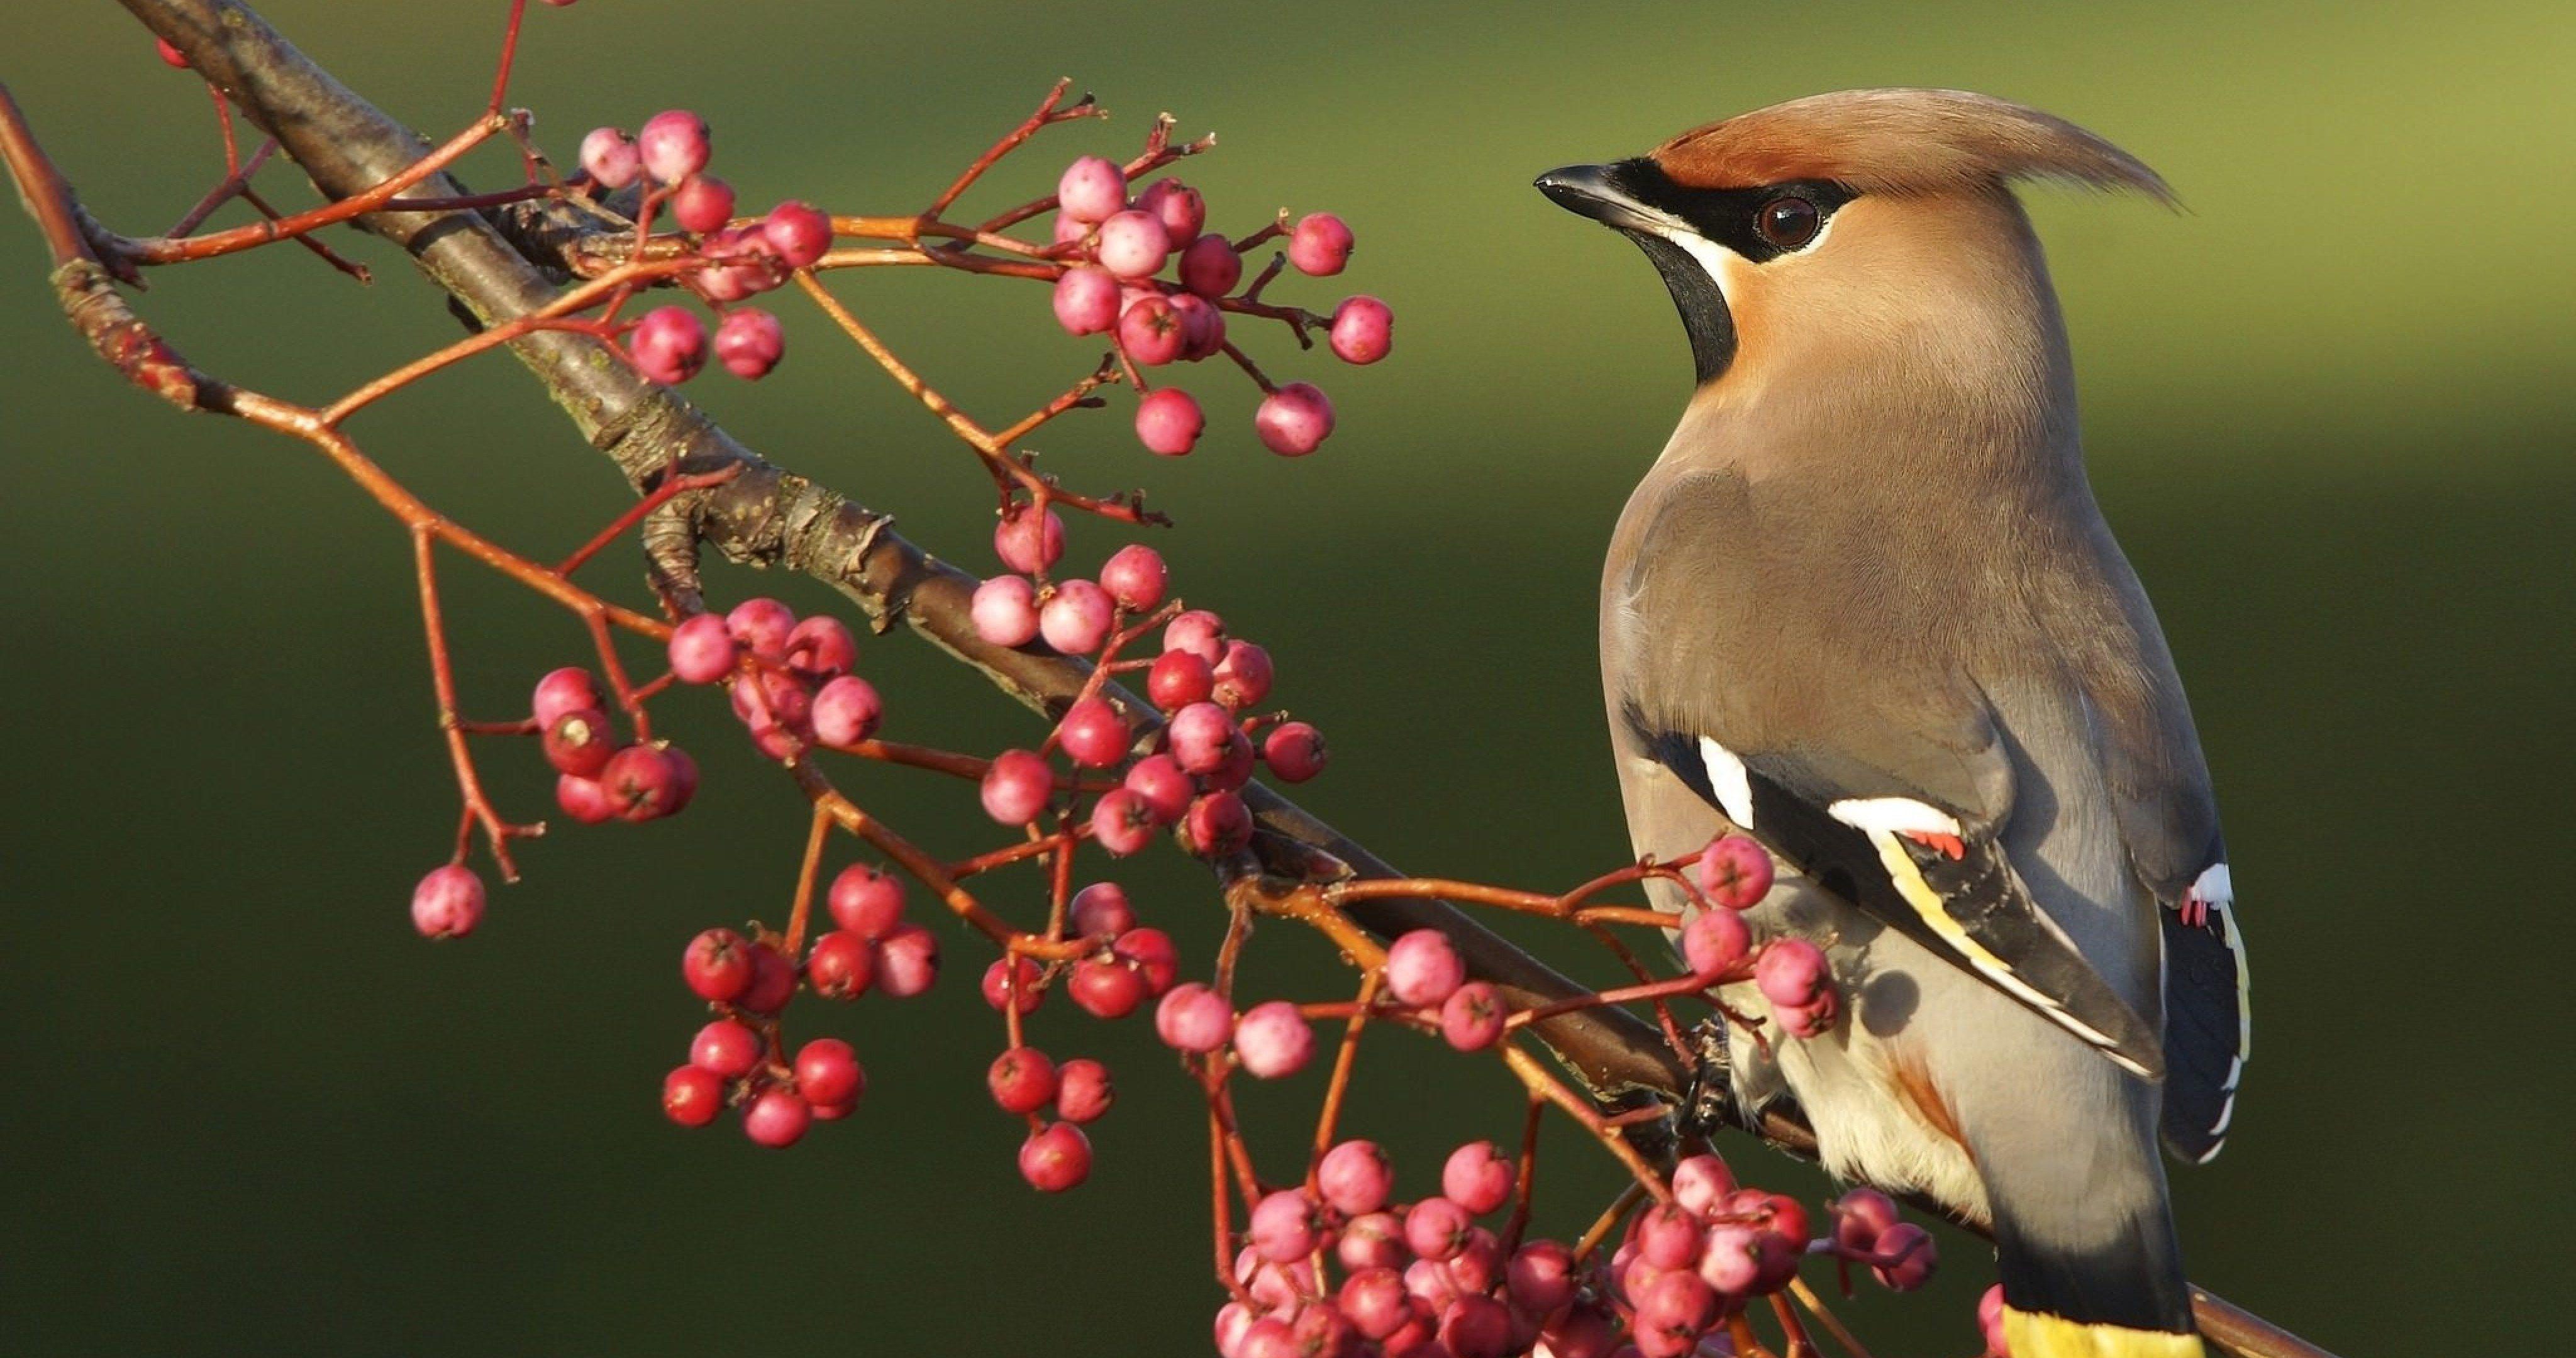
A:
1873, 768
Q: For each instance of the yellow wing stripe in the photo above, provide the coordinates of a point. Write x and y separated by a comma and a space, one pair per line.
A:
2037, 1334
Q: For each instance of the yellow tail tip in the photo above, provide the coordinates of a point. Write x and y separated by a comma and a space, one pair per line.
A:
2037, 1334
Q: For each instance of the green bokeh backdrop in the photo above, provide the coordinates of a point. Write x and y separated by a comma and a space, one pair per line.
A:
247, 1111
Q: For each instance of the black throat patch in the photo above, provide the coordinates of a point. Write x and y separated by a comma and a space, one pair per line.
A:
1723, 217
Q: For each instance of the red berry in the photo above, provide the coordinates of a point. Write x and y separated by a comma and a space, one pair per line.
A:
1581, 1333
692, 1097
583, 799
1294, 750
1022, 1080
1477, 1177
702, 649
673, 145
1181, 209
749, 342
609, 157
799, 233
1135, 577
565, 690
1294, 420
1990, 1322
1355, 1178
841, 966
684, 779
1283, 1228
1320, 244
1100, 910
867, 901
1087, 300
1005, 610
773, 982
1158, 781
907, 961
1092, 734
1121, 822
579, 743
669, 344
1243, 677
1476, 1327
1056, 1158
1715, 942
170, 55
762, 626
1791, 971
1017, 786
1092, 189
1236, 768
1218, 823
1423, 968
1012, 981
1363, 330
448, 902
1106, 988
1375, 1301
725, 1047
717, 965
1735, 872
1133, 245
702, 203
640, 780
1027, 541
1471, 1019
1202, 326
777, 1119
827, 1072
1198, 735
1076, 618
1179, 679
846, 711
1210, 267
1151, 333
1273, 1040
1151, 953
1541, 1277
1193, 1018
1082, 1090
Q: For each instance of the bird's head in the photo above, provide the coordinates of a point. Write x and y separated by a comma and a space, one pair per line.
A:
1849, 224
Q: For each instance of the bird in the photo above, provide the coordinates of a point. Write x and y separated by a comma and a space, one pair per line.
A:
1864, 609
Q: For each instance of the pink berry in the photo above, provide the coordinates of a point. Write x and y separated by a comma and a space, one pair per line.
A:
1105, 988
1476, 1327
674, 145
609, 157
1082, 1090
1423, 969
1471, 1019
579, 743
1076, 618
1990, 1322
584, 800
1028, 541
1198, 735
1477, 1177
1375, 1301
1669, 1236
867, 901
1294, 750
749, 342
1861, 1216
773, 982
1135, 577
684, 779
641, 781
1780, 1214
1813, 1019
1373, 1240
1133, 245
1193, 1018
1181, 209
1100, 910
1218, 823
1731, 1258
564, 690
702, 203
1070, 230
1243, 677
820, 647
1702, 1183
1581, 1333
1294, 420
1056, 1158
1363, 330
1013, 981
1273, 1040
1235, 769
1436, 1229
1210, 267
1320, 244
907, 961
1355, 1178
702, 650
1540, 1277
1157, 781
1791, 971
1092, 189
1005, 610
762, 626
1734, 872
1715, 942
800, 233
1151, 953
777, 1119
1121, 822
1178, 679
1671, 1313
692, 1097
1087, 300
1151, 332
669, 345
840, 966
1202, 326
1022, 1080
1092, 734
846, 711
1283, 1227
448, 903
1199, 632
725, 1047
717, 965
1910, 1257
1017, 786
827, 1071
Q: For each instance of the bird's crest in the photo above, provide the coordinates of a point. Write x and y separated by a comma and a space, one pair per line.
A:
1901, 141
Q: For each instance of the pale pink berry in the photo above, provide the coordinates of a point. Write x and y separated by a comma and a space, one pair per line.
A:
1135, 577
702, 203
827, 1071
692, 1097
448, 903
673, 145
702, 650
1294, 750
1210, 267
1243, 676
1100, 910
1423, 968
840, 966
1076, 618
1151, 332
1181, 209
1157, 781
726, 1047
1092, 733
1199, 632
1701, 1183
1320, 244
1363, 330
1193, 1018
867, 901
1355, 1178
1540, 1277
846, 711
799, 232
669, 344
1028, 541
1714, 942
1735, 872
1022, 1080
1072, 230
907, 961
762, 626
1092, 189
1791, 972
1990, 1322
1087, 300
1907, 1255
749, 342
569, 689
1169, 421
1082, 1090
1436, 1229
777, 1118
609, 157
1374, 1240
1005, 610
1731, 1258
1478, 1177
1133, 245
1274, 1040
1198, 734
1283, 1227
1233, 1321
1294, 420
1471, 1019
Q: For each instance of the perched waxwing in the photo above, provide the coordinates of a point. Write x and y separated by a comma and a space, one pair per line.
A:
1864, 609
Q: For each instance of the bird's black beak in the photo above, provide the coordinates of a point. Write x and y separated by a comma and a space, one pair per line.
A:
1594, 191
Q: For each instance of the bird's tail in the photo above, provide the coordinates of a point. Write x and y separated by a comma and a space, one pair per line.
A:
2122, 1299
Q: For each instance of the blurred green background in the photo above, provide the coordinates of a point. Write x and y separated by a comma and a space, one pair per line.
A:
246, 1109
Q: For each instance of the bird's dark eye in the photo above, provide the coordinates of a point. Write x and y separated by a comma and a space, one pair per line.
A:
1788, 221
